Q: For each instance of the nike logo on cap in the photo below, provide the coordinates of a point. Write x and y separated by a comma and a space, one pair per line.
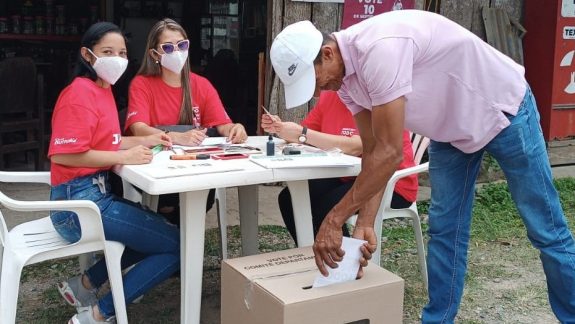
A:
291, 69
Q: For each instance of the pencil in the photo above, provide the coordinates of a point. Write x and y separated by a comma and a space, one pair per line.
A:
157, 149
266, 111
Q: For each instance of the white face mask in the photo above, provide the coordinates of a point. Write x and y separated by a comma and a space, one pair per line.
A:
109, 68
174, 61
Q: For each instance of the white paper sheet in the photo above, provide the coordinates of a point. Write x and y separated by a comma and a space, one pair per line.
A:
347, 268
304, 161
214, 141
175, 168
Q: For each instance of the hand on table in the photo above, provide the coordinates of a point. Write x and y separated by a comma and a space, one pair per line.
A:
158, 138
237, 134
193, 137
136, 155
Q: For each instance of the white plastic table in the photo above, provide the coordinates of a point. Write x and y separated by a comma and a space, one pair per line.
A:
193, 190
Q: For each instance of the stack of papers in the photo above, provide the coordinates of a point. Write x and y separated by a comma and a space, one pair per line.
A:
217, 149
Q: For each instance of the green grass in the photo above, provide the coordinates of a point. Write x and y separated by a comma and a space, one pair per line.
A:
498, 246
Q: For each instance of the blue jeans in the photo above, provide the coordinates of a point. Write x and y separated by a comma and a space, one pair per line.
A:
520, 151
151, 243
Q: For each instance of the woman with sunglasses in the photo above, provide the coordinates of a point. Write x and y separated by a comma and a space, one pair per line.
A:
156, 97
85, 144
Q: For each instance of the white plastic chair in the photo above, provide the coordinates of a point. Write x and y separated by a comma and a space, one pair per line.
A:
419, 145
151, 201
37, 241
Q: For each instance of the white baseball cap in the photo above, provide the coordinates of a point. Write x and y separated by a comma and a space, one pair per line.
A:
292, 54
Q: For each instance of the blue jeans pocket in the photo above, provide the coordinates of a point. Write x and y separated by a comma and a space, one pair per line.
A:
67, 225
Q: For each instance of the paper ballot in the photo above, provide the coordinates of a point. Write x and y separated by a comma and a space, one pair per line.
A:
347, 268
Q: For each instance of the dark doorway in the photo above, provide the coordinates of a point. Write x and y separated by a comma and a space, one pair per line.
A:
226, 38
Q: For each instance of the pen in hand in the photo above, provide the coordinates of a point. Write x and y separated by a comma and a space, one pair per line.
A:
157, 149
266, 111
270, 116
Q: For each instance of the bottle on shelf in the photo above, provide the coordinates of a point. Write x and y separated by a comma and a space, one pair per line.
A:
16, 24
27, 7
3, 25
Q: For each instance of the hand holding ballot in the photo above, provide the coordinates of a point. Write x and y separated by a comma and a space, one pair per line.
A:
347, 269
328, 246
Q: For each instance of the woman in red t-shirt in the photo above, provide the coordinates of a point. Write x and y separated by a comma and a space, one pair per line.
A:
156, 95
156, 98
85, 144
331, 125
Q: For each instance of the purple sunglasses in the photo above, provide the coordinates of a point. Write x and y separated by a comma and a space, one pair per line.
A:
169, 48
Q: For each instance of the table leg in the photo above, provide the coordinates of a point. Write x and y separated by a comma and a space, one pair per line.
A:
299, 191
248, 200
192, 235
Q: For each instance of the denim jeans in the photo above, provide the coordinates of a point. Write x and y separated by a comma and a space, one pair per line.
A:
520, 151
151, 243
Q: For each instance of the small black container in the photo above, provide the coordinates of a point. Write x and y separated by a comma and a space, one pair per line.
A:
270, 146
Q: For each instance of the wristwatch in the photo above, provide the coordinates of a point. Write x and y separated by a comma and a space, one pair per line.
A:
303, 137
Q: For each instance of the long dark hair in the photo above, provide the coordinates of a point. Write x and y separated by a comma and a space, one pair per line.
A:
151, 67
91, 37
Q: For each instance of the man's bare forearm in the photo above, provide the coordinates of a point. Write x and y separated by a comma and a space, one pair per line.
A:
366, 192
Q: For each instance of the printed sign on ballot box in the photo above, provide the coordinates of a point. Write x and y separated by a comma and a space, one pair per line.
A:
355, 11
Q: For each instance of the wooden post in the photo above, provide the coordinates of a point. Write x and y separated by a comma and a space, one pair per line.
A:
469, 13
261, 89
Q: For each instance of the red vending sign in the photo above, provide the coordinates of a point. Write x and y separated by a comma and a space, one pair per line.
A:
355, 11
549, 48
564, 53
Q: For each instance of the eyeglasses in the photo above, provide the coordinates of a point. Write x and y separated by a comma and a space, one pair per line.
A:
169, 48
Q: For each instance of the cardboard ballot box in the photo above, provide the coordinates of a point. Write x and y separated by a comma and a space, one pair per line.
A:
275, 288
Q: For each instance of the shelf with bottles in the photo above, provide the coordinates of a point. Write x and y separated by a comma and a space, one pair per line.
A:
50, 18
33, 37
219, 32
223, 7
151, 8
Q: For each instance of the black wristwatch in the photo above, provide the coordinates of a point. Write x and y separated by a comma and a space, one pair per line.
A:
303, 136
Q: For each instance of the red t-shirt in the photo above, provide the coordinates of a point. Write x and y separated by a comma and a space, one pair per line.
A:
153, 102
331, 116
85, 118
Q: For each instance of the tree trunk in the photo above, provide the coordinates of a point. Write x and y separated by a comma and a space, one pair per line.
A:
325, 16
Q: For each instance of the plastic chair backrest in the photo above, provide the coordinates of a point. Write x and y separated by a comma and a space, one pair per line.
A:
419, 143
3, 230
33, 177
36, 241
